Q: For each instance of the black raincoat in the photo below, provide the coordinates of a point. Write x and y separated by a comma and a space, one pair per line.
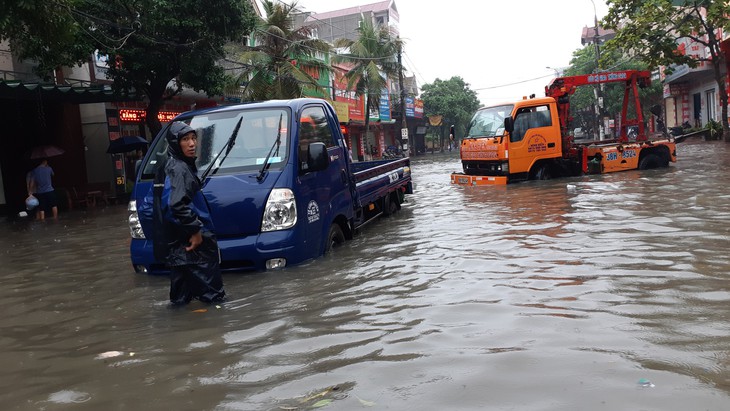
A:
179, 211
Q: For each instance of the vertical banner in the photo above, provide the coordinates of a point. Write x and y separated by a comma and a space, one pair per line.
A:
384, 112
419, 109
115, 132
410, 107
361, 147
685, 107
113, 125
381, 142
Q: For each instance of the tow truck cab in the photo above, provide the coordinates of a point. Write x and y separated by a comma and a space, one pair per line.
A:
505, 142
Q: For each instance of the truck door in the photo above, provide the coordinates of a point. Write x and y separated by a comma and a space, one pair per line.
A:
325, 193
533, 137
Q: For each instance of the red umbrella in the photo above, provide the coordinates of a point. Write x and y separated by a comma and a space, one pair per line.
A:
45, 151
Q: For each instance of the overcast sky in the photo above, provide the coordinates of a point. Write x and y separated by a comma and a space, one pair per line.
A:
489, 43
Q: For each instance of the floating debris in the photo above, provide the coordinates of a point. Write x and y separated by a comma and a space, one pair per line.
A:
69, 397
109, 354
644, 383
322, 403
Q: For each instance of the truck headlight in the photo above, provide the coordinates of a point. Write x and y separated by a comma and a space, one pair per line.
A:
135, 228
280, 212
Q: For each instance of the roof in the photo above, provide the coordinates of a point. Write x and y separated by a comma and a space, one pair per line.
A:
20, 90
295, 104
373, 7
589, 33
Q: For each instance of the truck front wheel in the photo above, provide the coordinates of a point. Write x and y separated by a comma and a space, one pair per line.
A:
542, 172
335, 238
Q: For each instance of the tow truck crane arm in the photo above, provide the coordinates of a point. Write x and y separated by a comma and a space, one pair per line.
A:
561, 88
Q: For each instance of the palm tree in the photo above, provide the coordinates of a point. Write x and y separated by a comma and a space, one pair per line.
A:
277, 66
372, 58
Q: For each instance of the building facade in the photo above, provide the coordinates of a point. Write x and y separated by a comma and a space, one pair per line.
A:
74, 109
385, 123
690, 94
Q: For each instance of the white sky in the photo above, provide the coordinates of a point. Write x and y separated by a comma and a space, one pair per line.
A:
489, 43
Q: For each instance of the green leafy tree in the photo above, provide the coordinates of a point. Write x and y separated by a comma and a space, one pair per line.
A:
155, 47
452, 99
372, 59
278, 66
45, 31
651, 29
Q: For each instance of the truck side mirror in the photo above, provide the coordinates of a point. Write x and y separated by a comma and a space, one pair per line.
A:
317, 158
509, 124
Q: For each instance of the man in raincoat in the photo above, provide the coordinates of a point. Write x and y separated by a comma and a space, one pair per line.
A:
184, 235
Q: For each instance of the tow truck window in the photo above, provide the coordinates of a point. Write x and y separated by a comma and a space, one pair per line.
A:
528, 118
488, 122
255, 138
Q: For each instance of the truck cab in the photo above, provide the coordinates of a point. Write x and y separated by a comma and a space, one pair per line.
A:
530, 139
494, 154
279, 183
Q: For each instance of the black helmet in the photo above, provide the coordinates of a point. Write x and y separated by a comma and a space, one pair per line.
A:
176, 131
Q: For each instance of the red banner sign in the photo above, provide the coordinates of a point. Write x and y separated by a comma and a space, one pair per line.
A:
136, 116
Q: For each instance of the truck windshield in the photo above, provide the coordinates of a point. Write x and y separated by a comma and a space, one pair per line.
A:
256, 136
488, 122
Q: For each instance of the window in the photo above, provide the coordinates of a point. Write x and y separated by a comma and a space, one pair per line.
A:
528, 118
488, 122
711, 105
262, 131
314, 127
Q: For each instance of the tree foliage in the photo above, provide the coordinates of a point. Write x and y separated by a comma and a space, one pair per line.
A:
45, 31
154, 46
452, 99
652, 29
278, 66
371, 59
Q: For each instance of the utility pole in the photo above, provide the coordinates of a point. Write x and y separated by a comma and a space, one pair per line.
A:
598, 91
404, 122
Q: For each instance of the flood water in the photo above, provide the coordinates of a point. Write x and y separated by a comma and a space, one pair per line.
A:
593, 293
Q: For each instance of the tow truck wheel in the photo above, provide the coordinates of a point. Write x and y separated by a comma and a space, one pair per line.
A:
335, 238
651, 160
541, 173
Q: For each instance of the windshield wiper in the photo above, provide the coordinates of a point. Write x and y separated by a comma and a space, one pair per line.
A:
276, 145
227, 147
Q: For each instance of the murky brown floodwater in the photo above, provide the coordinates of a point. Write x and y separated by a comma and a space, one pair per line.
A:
557, 295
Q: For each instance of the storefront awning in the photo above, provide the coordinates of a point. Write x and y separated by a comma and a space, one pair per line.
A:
19, 90
684, 73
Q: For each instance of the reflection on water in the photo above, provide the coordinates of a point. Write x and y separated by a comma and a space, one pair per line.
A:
598, 292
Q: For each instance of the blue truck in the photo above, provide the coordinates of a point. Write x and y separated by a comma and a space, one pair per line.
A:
279, 181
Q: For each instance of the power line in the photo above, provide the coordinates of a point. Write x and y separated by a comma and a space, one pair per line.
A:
512, 84
415, 70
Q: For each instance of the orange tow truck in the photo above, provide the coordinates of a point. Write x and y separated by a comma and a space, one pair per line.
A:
530, 139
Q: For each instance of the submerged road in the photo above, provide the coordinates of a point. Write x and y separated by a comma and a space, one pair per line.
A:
594, 293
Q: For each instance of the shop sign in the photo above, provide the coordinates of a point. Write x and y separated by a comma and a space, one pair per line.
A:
419, 108
136, 116
410, 107
384, 105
